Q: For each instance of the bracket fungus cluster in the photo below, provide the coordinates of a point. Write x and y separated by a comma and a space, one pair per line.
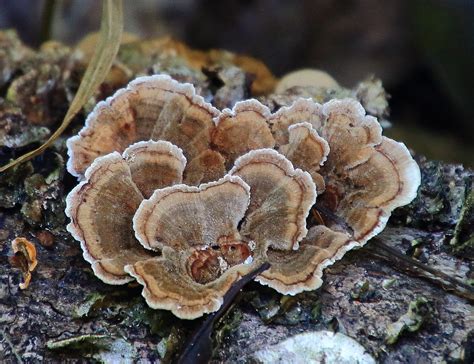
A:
186, 199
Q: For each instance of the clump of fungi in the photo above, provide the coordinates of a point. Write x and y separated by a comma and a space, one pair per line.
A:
186, 199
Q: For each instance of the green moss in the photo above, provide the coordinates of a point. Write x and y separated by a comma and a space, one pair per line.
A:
102, 348
159, 322
361, 290
316, 311
463, 239
226, 326
85, 308
388, 283
418, 312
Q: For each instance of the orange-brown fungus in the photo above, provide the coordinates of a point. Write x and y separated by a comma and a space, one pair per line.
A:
24, 258
206, 265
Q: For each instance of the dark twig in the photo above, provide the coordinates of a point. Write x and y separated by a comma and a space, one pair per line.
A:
400, 260
199, 347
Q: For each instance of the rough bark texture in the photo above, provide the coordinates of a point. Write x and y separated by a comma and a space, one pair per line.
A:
363, 294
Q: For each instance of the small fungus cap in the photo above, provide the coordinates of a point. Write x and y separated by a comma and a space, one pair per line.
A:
281, 198
24, 258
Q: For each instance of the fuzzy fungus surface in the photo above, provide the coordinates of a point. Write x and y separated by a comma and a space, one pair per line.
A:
101, 208
203, 253
202, 194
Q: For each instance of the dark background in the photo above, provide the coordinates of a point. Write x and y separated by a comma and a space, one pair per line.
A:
423, 50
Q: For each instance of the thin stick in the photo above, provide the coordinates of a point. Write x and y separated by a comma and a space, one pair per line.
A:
409, 261
198, 349
391, 252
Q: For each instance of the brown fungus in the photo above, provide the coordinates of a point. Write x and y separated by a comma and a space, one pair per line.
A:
153, 107
203, 253
307, 150
242, 129
281, 198
301, 270
101, 208
369, 175
366, 175
197, 229
208, 235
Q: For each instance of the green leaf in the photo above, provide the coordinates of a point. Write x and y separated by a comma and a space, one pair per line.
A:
109, 42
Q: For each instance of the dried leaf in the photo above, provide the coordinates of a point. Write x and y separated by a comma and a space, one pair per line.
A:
97, 70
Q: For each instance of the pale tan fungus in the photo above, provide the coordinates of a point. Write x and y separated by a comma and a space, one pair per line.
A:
306, 150
206, 167
242, 129
388, 179
304, 78
366, 175
101, 208
302, 110
154, 165
301, 270
153, 107
203, 253
184, 216
185, 123
208, 235
280, 199
168, 284
350, 133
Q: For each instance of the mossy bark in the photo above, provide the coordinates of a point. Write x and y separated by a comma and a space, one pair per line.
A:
66, 313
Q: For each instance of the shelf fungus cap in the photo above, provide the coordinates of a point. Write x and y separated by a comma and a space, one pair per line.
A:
242, 129
149, 108
186, 244
203, 252
306, 150
364, 175
301, 270
367, 175
101, 208
281, 198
